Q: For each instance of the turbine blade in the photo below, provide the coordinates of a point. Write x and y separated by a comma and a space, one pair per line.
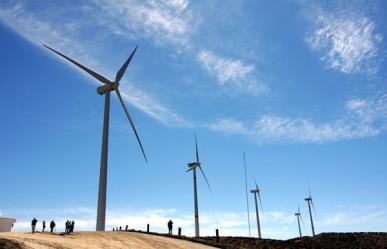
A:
314, 210
255, 180
197, 150
190, 169
260, 201
247, 195
310, 195
303, 224
131, 122
299, 209
91, 72
122, 70
205, 178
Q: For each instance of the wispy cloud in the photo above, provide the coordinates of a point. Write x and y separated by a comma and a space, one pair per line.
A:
359, 218
346, 41
361, 118
70, 38
229, 126
233, 75
170, 22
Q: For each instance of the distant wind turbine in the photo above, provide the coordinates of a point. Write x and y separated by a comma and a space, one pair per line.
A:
255, 192
247, 195
105, 89
310, 203
298, 215
193, 166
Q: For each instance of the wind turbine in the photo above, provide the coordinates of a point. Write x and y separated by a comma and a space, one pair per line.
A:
193, 166
105, 89
310, 203
247, 195
255, 192
298, 215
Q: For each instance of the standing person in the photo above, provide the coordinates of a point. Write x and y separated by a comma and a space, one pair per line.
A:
170, 226
67, 225
44, 226
52, 225
33, 224
72, 226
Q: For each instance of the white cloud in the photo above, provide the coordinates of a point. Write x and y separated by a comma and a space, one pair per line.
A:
71, 41
361, 118
359, 218
233, 75
229, 126
162, 21
346, 41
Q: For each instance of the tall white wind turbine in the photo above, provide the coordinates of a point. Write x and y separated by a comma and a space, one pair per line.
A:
105, 89
193, 166
298, 215
309, 200
256, 192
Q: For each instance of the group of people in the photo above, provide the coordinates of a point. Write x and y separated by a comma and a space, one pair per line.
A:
69, 226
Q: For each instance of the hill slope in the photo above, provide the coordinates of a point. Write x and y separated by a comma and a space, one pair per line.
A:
94, 240
321, 241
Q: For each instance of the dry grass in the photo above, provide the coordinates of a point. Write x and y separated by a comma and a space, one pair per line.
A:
97, 240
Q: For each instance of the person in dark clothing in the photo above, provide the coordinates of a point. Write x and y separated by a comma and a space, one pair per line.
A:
170, 226
44, 226
67, 225
33, 224
72, 226
52, 225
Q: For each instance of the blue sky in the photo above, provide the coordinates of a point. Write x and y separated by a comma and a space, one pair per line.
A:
300, 86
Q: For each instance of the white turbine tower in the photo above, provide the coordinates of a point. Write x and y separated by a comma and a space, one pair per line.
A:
298, 215
256, 192
105, 89
310, 203
193, 166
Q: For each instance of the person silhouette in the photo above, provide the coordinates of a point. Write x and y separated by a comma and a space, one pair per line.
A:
44, 226
33, 224
52, 225
67, 225
72, 226
170, 226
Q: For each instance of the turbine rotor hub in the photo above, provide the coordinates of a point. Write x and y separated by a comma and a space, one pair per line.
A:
193, 165
101, 90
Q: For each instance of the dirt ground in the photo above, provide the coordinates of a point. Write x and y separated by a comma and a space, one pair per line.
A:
96, 240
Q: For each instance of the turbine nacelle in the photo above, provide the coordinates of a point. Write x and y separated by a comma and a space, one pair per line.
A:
101, 90
308, 199
192, 166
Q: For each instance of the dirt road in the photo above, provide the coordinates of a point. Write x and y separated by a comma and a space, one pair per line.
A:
97, 240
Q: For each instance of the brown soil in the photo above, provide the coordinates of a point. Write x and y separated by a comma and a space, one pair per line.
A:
8, 244
137, 239
94, 240
321, 241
